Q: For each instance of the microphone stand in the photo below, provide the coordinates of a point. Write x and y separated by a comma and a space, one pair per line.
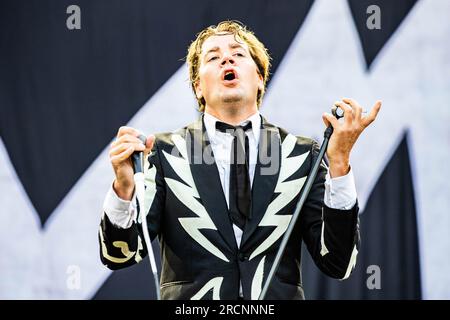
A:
138, 165
304, 195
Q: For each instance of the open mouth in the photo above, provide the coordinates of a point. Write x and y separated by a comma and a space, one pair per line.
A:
229, 75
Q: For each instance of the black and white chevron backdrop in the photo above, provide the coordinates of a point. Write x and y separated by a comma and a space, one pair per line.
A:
64, 93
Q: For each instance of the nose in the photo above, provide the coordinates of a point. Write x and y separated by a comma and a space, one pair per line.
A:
227, 58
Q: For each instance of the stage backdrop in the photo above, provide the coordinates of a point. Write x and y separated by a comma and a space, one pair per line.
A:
67, 84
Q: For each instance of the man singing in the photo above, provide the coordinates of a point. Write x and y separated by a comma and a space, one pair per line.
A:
221, 191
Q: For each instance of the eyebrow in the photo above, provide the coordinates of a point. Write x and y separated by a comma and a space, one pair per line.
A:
214, 49
236, 45
232, 46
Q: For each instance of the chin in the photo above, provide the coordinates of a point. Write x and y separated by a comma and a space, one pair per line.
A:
232, 98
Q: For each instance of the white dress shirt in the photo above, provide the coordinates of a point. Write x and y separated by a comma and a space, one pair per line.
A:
340, 192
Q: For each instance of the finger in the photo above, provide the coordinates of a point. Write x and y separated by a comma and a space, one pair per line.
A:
124, 146
372, 115
126, 138
348, 112
330, 119
127, 130
122, 156
149, 143
357, 109
325, 121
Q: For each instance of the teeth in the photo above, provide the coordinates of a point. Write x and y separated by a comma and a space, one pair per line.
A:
229, 75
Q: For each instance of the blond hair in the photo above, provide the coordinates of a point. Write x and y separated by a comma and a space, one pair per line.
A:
257, 50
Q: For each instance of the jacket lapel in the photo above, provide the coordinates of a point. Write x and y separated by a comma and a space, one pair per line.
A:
266, 175
206, 177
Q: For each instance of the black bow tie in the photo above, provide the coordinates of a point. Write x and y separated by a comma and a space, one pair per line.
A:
228, 128
240, 199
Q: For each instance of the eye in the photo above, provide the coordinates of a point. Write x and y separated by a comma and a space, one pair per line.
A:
239, 54
213, 58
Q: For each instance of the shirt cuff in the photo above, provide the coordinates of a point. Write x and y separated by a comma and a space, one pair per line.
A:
340, 192
120, 212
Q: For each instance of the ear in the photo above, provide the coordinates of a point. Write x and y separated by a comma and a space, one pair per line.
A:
261, 82
198, 90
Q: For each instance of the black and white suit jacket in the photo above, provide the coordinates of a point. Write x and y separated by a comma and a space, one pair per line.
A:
186, 210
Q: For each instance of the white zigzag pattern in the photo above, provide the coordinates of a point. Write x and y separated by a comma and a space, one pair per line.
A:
258, 279
215, 284
288, 191
188, 195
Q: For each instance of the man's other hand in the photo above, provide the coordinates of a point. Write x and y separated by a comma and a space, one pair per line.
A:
346, 133
121, 149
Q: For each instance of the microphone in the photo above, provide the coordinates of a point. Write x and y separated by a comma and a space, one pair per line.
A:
139, 182
138, 157
337, 112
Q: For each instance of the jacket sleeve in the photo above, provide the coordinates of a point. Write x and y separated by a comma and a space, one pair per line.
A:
331, 235
120, 248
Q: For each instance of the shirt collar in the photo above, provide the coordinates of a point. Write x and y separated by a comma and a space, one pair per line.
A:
210, 124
